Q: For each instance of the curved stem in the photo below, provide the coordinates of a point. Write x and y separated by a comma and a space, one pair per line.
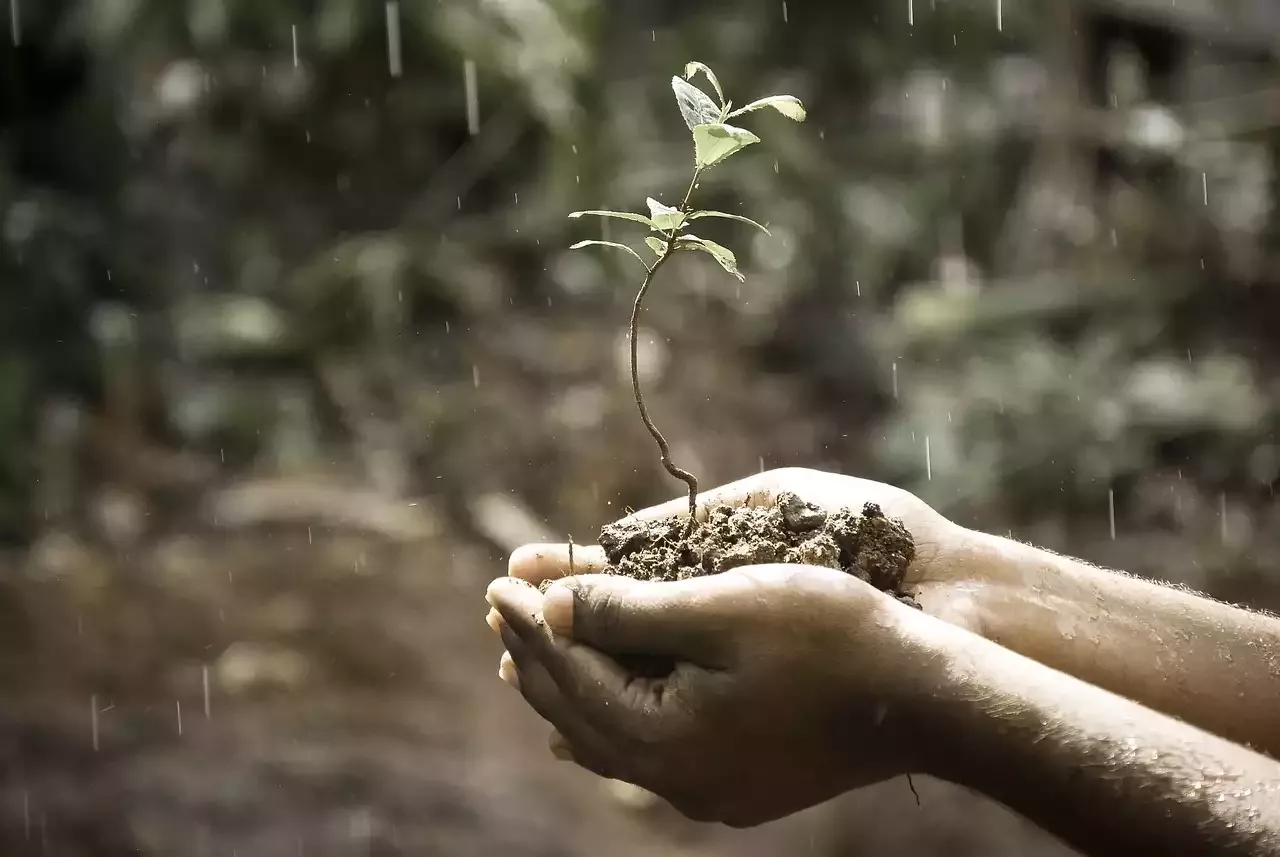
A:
663, 447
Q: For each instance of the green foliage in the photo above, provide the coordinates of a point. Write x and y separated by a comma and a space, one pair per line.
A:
614, 244
714, 142
723, 255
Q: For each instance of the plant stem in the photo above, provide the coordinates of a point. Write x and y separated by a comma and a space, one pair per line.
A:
663, 447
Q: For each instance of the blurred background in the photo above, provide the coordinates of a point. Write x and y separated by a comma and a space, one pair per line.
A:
293, 352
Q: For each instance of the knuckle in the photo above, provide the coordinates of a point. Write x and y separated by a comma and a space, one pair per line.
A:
605, 612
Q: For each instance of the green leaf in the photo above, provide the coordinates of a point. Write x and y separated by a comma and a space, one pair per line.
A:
723, 255
657, 245
788, 105
696, 106
582, 244
664, 217
695, 215
622, 215
714, 142
692, 68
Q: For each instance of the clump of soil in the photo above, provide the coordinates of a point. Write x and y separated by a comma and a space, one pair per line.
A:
873, 547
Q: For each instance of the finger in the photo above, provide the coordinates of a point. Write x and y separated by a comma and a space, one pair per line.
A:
536, 563
578, 740
621, 616
759, 489
507, 670
582, 756
594, 684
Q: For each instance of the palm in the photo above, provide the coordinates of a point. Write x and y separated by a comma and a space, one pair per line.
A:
937, 578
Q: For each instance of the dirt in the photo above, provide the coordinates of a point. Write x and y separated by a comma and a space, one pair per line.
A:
870, 545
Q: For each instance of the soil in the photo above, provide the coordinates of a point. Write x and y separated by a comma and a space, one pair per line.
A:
870, 545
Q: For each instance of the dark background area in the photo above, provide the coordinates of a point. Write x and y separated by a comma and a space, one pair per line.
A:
293, 352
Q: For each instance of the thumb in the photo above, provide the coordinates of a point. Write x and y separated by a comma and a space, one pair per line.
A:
623, 616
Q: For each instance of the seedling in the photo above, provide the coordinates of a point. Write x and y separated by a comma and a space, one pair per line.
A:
714, 141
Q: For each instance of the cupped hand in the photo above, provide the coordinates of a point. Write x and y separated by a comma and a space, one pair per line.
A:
791, 684
946, 578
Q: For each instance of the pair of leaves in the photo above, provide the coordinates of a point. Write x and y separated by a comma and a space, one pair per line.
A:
697, 108
721, 254
713, 139
663, 218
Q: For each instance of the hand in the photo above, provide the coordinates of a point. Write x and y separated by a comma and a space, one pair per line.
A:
945, 579
791, 684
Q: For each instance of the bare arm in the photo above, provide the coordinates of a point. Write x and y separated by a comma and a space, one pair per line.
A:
1205, 662
1104, 774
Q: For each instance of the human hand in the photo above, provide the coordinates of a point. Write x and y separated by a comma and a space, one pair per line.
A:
946, 578
790, 684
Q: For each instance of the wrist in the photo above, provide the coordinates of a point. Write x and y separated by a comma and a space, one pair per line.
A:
918, 689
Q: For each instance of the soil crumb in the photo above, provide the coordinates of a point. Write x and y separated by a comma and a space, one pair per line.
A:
869, 545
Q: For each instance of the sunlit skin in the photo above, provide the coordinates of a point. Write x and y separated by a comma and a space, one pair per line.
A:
1116, 713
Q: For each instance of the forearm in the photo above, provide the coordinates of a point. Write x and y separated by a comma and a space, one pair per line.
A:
1104, 774
1213, 665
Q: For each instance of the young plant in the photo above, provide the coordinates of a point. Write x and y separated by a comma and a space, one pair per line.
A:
714, 141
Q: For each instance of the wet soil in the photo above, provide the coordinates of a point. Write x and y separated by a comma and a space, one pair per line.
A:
870, 545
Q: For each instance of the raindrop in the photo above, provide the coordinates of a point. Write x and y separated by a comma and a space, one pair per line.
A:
517, 196
785, 19
895, 379
204, 685
93, 719
1222, 514
762, 464
911, 13
475, 376
1204, 186
1000, 15
446, 326
393, 37
15, 23
928, 460
294, 29
473, 97
1111, 511
177, 703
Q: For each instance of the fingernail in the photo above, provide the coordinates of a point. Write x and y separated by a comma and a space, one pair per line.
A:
494, 620
507, 671
557, 609
492, 587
